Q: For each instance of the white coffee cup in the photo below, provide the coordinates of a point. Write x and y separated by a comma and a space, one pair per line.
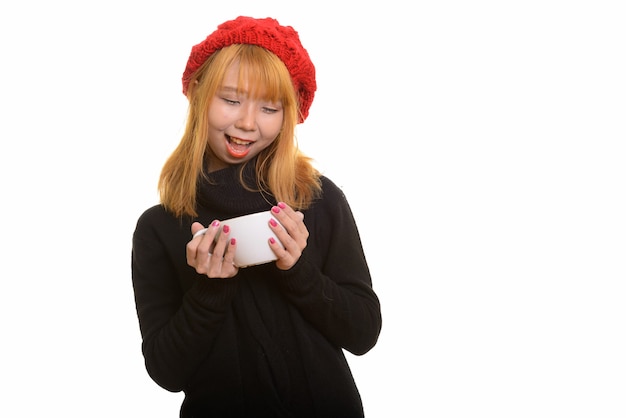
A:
252, 233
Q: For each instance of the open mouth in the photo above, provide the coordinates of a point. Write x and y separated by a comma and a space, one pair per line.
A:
238, 147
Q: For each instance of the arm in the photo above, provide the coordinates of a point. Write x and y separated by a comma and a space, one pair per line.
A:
330, 284
177, 325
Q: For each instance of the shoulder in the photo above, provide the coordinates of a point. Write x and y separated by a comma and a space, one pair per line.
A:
160, 230
152, 215
157, 218
330, 221
332, 201
331, 191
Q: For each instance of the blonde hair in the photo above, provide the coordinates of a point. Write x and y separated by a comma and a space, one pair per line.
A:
282, 169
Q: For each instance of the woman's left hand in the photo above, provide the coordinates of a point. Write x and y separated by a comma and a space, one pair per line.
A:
294, 235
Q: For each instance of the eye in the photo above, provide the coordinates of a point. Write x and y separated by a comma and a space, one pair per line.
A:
269, 110
230, 102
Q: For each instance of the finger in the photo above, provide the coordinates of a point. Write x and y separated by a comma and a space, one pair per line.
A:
291, 243
229, 255
192, 246
221, 241
224, 267
293, 223
199, 248
282, 207
207, 238
197, 228
290, 220
300, 223
280, 232
289, 246
199, 233
284, 259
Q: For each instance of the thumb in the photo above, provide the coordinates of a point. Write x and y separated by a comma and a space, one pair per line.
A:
196, 227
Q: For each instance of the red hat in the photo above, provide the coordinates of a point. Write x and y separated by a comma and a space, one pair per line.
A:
269, 34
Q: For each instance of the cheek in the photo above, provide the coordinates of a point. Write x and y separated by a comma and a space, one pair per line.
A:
276, 130
269, 126
274, 127
219, 115
217, 118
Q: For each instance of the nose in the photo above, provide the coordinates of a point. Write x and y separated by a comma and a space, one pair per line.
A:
247, 118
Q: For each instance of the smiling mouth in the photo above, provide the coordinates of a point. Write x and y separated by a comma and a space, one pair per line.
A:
237, 147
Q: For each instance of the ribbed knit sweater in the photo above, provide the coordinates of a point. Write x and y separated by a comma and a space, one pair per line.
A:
267, 342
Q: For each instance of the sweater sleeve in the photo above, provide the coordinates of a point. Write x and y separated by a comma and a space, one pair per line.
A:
331, 284
177, 326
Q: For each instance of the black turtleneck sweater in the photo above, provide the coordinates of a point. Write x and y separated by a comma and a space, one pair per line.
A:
266, 343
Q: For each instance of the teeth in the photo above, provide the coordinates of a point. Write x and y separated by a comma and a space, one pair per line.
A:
239, 141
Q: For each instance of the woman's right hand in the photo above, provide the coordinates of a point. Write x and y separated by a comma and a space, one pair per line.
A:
211, 257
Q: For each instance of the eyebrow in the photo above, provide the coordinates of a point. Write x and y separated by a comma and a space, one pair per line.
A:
228, 88
245, 93
232, 89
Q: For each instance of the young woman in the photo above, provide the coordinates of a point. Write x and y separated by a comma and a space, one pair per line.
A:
264, 340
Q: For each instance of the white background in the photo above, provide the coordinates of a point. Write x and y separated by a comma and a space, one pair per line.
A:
480, 144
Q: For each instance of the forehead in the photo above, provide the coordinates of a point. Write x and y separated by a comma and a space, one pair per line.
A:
253, 79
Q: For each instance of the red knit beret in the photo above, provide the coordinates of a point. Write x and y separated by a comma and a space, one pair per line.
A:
269, 34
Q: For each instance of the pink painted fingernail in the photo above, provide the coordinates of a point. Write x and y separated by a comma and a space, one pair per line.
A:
215, 223
272, 241
282, 205
233, 241
273, 222
275, 209
226, 229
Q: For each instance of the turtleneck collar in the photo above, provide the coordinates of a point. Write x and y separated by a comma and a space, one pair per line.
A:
221, 194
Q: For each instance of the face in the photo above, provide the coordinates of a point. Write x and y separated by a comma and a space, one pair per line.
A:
240, 127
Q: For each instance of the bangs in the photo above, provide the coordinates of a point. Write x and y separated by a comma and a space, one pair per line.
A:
263, 76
